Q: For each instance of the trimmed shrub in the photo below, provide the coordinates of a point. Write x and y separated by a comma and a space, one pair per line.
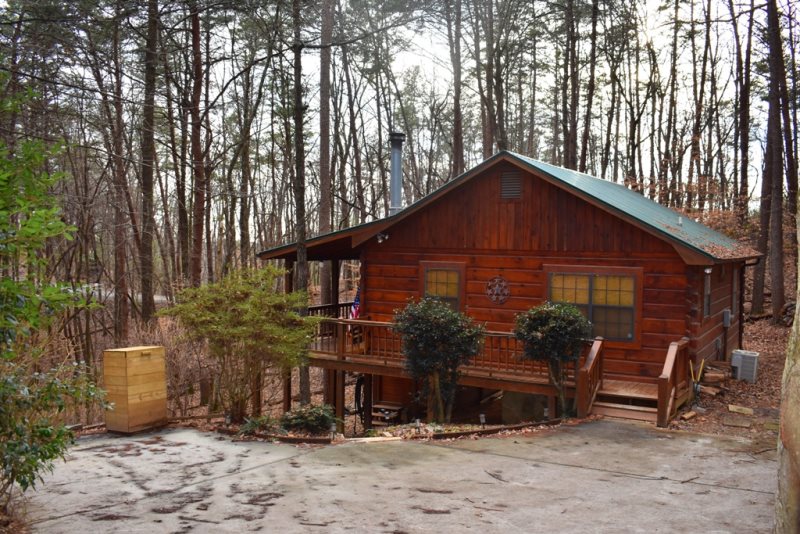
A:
554, 333
436, 341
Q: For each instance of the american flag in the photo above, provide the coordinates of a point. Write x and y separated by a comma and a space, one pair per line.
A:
356, 307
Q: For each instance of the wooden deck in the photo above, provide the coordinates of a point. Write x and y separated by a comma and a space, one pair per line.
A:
374, 348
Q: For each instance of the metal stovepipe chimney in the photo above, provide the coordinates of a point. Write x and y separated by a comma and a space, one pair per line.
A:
396, 186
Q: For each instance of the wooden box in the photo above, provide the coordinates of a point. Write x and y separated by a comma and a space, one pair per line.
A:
136, 383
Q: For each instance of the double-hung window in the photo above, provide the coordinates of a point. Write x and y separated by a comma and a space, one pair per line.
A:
609, 297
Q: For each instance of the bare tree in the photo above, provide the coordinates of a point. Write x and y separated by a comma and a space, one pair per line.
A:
299, 186
198, 161
148, 159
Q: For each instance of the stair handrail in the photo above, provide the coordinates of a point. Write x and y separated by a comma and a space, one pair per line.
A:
589, 379
669, 380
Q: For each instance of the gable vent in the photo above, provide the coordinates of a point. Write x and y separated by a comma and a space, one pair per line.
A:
511, 185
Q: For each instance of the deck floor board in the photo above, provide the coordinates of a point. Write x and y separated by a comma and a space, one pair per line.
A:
631, 390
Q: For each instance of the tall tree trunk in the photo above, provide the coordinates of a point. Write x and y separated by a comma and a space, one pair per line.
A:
325, 193
361, 200
244, 195
570, 93
763, 241
774, 159
178, 153
670, 140
743, 109
120, 221
148, 157
198, 163
301, 265
785, 107
699, 99
453, 16
587, 118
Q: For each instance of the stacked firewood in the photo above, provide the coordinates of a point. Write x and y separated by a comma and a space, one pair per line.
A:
714, 378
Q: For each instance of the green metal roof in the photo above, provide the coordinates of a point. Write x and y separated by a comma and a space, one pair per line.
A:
613, 197
663, 220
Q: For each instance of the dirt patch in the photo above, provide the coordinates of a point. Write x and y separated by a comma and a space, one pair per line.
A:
179, 501
11, 524
763, 397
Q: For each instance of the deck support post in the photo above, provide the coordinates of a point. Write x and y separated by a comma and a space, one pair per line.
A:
328, 386
287, 391
367, 401
339, 401
552, 407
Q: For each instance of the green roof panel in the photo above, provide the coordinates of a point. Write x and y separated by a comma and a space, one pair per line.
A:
618, 198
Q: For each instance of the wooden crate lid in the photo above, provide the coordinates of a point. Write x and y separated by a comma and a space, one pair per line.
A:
136, 349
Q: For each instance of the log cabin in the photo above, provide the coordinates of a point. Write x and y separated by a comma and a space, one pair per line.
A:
661, 290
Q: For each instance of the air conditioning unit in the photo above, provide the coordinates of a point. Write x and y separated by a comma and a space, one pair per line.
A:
745, 365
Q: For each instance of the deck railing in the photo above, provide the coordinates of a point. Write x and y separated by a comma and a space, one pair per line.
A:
377, 343
343, 310
674, 385
502, 354
590, 379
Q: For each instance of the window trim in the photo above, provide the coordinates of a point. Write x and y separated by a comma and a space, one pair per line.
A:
461, 268
637, 273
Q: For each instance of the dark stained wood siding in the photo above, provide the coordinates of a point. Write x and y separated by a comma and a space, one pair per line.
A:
393, 389
515, 239
708, 333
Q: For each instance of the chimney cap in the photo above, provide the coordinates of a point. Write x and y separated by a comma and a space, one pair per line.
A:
397, 137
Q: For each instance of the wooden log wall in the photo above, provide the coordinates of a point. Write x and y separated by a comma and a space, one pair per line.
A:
517, 238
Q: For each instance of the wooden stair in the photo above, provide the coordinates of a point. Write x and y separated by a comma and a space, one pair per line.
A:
626, 411
386, 413
627, 400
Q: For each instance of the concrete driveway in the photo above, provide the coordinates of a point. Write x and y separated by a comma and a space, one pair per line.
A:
603, 476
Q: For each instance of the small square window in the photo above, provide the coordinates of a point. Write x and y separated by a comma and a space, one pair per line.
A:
444, 281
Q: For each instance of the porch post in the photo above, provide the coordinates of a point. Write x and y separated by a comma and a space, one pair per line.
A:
552, 406
288, 278
367, 402
335, 284
339, 401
